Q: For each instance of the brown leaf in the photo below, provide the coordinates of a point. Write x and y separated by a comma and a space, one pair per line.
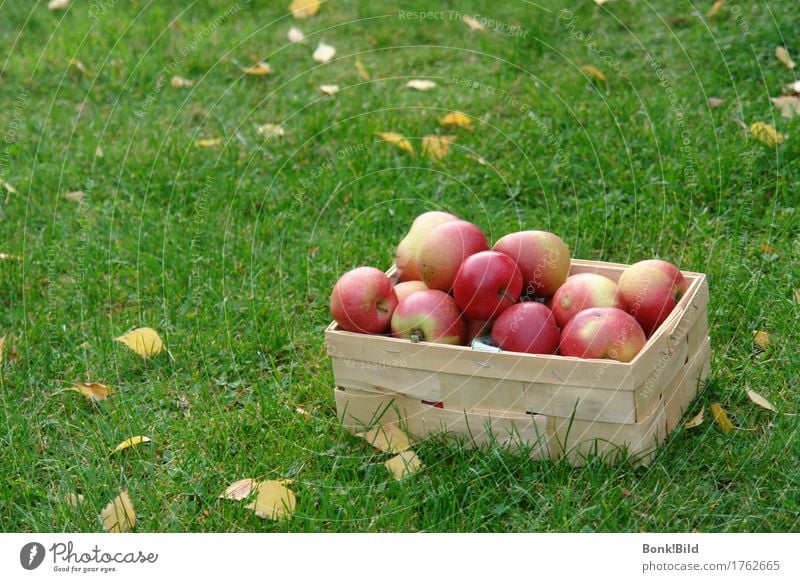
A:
93, 390
696, 420
783, 56
274, 500
721, 417
81, 67
715, 8
766, 134
258, 70
302, 9
437, 146
387, 438
76, 196
403, 465
756, 398
238, 490
2, 345
456, 119
714, 102
761, 339
767, 249
133, 441
119, 516
178, 82
398, 140
788, 105
362, 71
595, 73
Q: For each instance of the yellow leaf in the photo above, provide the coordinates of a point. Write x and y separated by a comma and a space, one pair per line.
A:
302, 9
329, 89
421, 84
783, 56
145, 341
81, 67
93, 390
766, 134
119, 516
133, 441
7, 257
238, 490
456, 119
397, 139
437, 146
403, 464
715, 8
721, 417
270, 130
208, 143
389, 438
756, 398
295, 35
177, 82
595, 73
473, 24
362, 71
76, 196
761, 339
274, 500
696, 420
259, 69
789, 105
9, 187
324, 53
58, 4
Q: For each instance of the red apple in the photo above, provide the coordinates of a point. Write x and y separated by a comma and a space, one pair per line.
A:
584, 291
542, 257
477, 328
651, 289
431, 316
444, 248
406, 288
363, 300
407, 249
487, 284
526, 327
602, 333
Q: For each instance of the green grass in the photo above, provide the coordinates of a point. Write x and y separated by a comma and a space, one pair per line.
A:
231, 252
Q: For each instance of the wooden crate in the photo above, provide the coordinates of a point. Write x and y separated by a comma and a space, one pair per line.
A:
554, 405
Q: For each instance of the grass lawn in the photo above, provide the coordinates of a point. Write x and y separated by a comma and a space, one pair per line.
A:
230, 251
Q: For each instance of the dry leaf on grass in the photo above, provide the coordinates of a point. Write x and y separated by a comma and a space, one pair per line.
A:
119, 515
421, 84
756, 398
98, 151
238, 490
131, 442
788, 105
761, 339
387, 438
9, 188
76, 196
794, 87
295, 35
766, 134
329, 89
437, 146
145, 341
270, 130
696, 420
455, 119
770, 250
81, 67
473, 24
94, 391
258, 70
363, 74
714, 102
302, 9
715, 8
274, 500
208, 143
324, 53
7, 257
595, 73
2, 346
398, 140
797, 296
403, 465
177, 82
721, 417
783, 56
58, 4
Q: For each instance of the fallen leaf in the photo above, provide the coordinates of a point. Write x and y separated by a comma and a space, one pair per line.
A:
295, 35
766, 134
58, 4
715, 8
98, 151
456, 119
473, 24
208, 143
270, 130
797, 296
145, 341
362, 71
329, 89
794, 87
133, 441
76, 196
789, 105
783, 56
177, 81
259, 69
595, 73
7, 257
721, 417
9, 188
302, 9
696, 420
93, 390
756, 398
397, 139
761, 339
74, 499
767, 249
403, 465
387, 438
437, 146
119, 516
81, 67
714, 102
421, 84
2, 345
238, 490
324, 53
274, 500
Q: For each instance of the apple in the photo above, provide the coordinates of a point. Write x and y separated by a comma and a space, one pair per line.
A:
363, 300
406, 288
487, 284
602, 333
444, 248
651, 289
477, 328
405, 258
430, 316
543, 259
584, 291
526, 327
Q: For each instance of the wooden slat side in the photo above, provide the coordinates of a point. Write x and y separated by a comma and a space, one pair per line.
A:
359, 410
683, 388
668, 366
698, 334
585, 403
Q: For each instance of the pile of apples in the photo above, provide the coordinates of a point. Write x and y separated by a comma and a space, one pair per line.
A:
452, 288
